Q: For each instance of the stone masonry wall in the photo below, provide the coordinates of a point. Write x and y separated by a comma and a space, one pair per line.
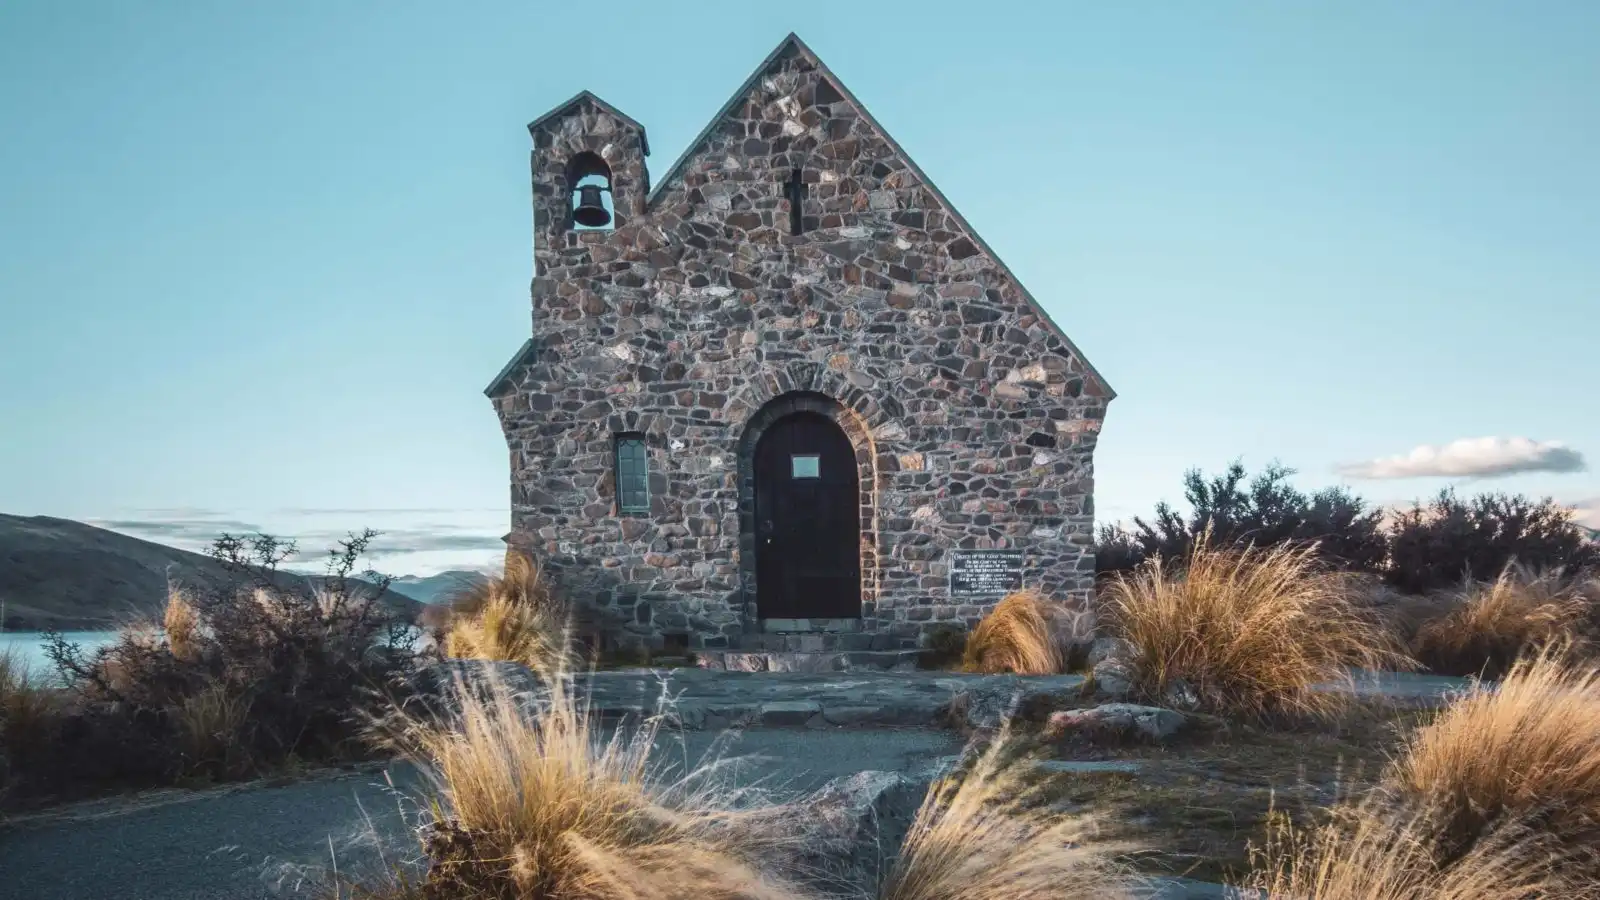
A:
975, 424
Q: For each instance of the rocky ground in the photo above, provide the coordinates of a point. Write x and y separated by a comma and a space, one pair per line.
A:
1190, 788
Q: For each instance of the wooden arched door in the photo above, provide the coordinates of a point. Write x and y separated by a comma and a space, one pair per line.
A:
807, 521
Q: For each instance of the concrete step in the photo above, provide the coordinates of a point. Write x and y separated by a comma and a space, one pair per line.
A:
795, 661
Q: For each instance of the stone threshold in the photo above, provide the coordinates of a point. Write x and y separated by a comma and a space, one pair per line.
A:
810, 626
795, 661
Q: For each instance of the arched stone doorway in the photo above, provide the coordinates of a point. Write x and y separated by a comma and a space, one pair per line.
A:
806, 475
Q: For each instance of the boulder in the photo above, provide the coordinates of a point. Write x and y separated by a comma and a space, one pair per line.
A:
1116, 722
1180, 694
1112, 668
1112, 679
857, 824
981, 708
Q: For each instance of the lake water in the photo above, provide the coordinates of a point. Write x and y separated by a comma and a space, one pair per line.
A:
28, 646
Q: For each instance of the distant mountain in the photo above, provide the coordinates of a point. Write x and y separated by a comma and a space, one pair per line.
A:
57, 573
437, 588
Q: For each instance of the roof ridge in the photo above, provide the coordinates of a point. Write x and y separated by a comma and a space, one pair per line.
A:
792, 40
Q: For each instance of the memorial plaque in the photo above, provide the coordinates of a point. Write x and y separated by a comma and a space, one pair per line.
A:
983, 573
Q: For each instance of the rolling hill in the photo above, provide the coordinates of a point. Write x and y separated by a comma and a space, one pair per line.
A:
58, 573
436, 588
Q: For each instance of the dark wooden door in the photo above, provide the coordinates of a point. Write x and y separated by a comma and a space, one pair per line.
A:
808, 521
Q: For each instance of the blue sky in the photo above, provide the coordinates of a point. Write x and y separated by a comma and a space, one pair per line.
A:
257, 261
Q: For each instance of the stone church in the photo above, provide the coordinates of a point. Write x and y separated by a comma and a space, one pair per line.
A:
783, 396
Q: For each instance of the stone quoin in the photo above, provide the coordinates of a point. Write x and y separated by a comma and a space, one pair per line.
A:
767, 400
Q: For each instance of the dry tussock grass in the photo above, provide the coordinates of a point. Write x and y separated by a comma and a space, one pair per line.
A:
539, 803
209, 726
1528, 749
1016, 636
1498, 797
531, 798
1374, 852
992, 835
182, 625
1252, 631
512, 616
1489, 625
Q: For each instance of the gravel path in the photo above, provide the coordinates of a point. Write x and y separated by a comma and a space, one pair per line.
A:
251, 843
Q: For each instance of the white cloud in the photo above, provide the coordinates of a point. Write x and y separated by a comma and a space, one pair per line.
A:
1588, 513
1487, 457
413, 540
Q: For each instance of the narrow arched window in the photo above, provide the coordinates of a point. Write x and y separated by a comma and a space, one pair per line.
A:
633, 474
590, 205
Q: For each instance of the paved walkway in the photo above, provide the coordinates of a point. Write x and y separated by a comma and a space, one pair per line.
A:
271, 843
254, 843
714, 700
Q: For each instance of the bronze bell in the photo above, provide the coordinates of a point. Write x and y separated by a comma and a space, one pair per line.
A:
590, 213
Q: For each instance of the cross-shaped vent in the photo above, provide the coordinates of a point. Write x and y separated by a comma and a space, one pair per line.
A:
795, 190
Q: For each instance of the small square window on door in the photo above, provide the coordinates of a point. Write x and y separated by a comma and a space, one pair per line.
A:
633, 475
805, 466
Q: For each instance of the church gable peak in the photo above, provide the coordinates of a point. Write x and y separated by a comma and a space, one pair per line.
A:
828, 162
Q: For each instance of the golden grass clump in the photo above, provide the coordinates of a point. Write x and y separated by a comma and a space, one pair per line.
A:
1490, 624
1016, 636
1373, 851
1252, 631
507, 617
991, 835
538, 803
1498, 797
182, 625
1527, 749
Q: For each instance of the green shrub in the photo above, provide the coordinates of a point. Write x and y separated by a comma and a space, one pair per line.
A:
1427, 548
1434, 547
1266, 512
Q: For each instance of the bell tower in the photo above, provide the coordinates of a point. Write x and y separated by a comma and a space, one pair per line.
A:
589, 180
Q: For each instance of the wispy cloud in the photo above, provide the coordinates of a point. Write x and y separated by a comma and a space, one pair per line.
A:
410, 538
189, 530
378, 510
1487, 457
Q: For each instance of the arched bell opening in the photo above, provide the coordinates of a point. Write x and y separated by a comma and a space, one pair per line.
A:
590, 206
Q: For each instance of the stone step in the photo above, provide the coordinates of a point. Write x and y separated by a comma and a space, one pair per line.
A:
794, 661
815, 640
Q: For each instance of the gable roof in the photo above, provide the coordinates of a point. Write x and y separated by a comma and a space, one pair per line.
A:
792, 41
562, 108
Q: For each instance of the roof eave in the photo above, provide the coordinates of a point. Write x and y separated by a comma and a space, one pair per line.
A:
517, 359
